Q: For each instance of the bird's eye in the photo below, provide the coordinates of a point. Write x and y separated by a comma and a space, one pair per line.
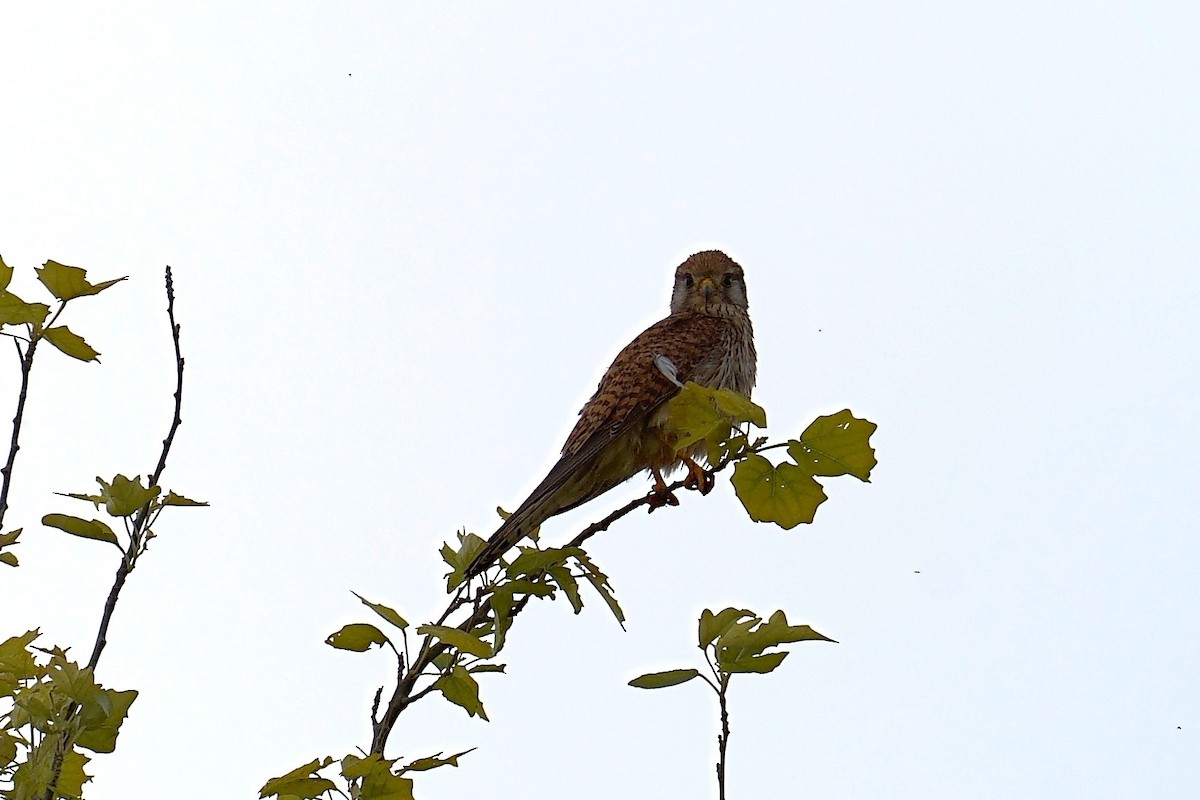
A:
727, 281
688, 280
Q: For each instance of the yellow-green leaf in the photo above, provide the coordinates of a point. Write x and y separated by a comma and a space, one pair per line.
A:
103, 718
461, 689
173, 499
70, 343
460, 640
387, 613
300, 782
713, 625
66, 282
357, 636
661, 680
776, 631
124, 496
433, 762
15, 311
88, 529
6, 273
785, 495
837, 444
760, 664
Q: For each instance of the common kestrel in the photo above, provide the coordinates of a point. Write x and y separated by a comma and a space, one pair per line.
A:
707, 338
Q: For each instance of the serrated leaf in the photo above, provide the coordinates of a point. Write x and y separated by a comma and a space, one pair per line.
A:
102, 725
173, 499
785, 495
124, 496
566, 581
759, 664
458, 560
777, 631
599, 582
15, 311
433, 762
357, 636
691, 415
461, 689
93, 529
837, 444
487, 668
66, 282
299, 782
460, 640
376, 781
713, 625
70, 343
661, 680
388, 614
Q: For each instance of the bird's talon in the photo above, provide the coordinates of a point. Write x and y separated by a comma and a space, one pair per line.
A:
661, 497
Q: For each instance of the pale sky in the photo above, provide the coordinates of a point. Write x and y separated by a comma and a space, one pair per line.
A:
407, 239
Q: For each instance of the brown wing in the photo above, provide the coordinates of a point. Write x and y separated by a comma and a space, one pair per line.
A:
631, 389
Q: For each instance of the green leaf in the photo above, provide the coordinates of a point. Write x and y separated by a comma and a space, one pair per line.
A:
777, 631
698, 412
458, 560
124, 497
16, 662
70, 343
66, 282
713, 625
661, 680
102, 719
15, 311
760, 664
566, 581
173, 499
94, 529
301, 782
838, 444
461, 689
377, 781
8, 540
486, 668
785, 495
387, 613
6, 273
433, 762
599, 582
462, 641
358, 636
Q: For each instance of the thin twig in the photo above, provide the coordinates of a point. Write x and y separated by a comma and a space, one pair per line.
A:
14, 446
139, 528
722, 737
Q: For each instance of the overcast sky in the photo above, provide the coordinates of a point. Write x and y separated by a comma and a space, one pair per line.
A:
407, 240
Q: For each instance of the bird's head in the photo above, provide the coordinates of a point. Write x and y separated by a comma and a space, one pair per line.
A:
709, 282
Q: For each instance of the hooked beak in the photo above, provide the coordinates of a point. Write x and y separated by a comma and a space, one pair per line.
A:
709, 288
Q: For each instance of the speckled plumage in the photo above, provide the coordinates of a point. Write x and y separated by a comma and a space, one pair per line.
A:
708, 338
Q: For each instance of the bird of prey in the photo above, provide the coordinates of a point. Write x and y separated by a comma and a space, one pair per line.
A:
707, 338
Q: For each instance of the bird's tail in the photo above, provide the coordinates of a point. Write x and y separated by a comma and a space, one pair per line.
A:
511, 531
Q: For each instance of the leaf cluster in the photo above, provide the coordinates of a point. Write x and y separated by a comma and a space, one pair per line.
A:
735, 640
51, 709
137, 505
65, 284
